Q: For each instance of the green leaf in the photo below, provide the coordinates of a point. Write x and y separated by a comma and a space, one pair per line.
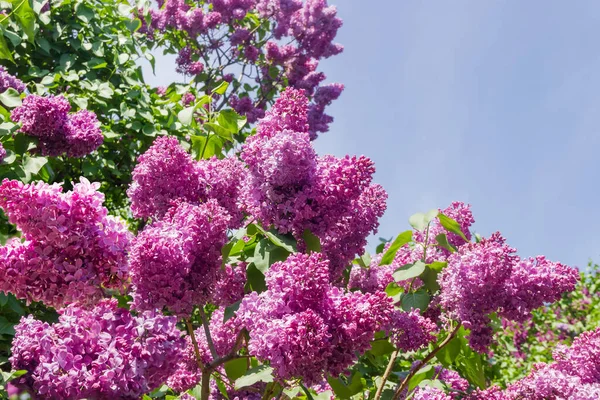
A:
206, 146
442, 241
261, 255
313, 243
447, 354
236, 368
451, 225
364, 260
393, 289
390, 254
32, 165
409, 271
346, 391
5, 53
105, 91
230, 310
285, 242
26, 17
84, 13
419, 221
231, 120
3, 299
219, 131
6, 327
256, 279
381, 347
418, 299
222, 88
10, 98
430, 275
262, 373
186, 116
426, 372
22, 143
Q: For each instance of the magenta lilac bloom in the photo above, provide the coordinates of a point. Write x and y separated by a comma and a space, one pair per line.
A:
71, 247
9, 81
104, 352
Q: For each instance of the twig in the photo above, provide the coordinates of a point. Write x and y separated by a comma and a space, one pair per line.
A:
211, 345
386, 375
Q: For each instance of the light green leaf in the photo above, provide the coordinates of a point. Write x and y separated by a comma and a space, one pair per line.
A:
32, 165
451, 225
419, 221
262, 373
231, 120
390, 254
186, 115
5, 53
442, 241
219, 131
236, 368
26, 17
409, 271
10, 98
222, 88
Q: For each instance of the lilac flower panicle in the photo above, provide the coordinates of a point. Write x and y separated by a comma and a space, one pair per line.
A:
175, 261
8, 81
71, 248
42, 116
104, 352
83, 133
2, 153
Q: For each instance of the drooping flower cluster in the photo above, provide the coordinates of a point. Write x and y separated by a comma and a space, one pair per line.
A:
378, 277
575, 374
103, 353
224, 337
292, 189
9, 81
307, 28
57, 131
71, 248
175, 261
166, 173
306, 328
487, 277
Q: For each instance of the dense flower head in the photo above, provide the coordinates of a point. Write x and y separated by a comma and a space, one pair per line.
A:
57, 131
175, 261
104, 352
166, 173
291, 188
305, 327
9, 81
487, 277
411, 331
42, 117
430, 393
71, 247
229, 287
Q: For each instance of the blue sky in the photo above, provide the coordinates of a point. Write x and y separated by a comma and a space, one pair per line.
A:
493, 103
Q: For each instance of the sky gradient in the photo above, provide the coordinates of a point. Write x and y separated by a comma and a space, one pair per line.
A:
492, 103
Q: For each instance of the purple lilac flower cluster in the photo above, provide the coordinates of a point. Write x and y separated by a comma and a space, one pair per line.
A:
487, 277
175, 261
308, 28
306, 328
2, 153
57, 131
573, 375
378, 277
9, 81
102, 353
293, 189
229, 287
71, 248
166, 173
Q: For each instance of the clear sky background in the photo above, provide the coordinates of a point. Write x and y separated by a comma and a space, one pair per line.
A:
494, 103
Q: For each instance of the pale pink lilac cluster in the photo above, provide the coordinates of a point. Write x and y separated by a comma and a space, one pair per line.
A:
174, 262
308, 30
9, 81
292, 189
166, 173
306, 328
224, 335
487, 277
57, 131
100, 353
71, 247
574, 375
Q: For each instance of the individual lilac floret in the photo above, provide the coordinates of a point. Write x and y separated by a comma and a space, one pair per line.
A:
488, 277
175, 261
100, 353
71, 248
9, 81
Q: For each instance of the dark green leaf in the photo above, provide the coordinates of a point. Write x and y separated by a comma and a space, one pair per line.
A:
236, 368
256, 279
442, 241
418, 300
346, 391
230, 310
390, 254
426, 372
447, 354
5, 52
381, 347
6, 327
286, 242
313, 243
